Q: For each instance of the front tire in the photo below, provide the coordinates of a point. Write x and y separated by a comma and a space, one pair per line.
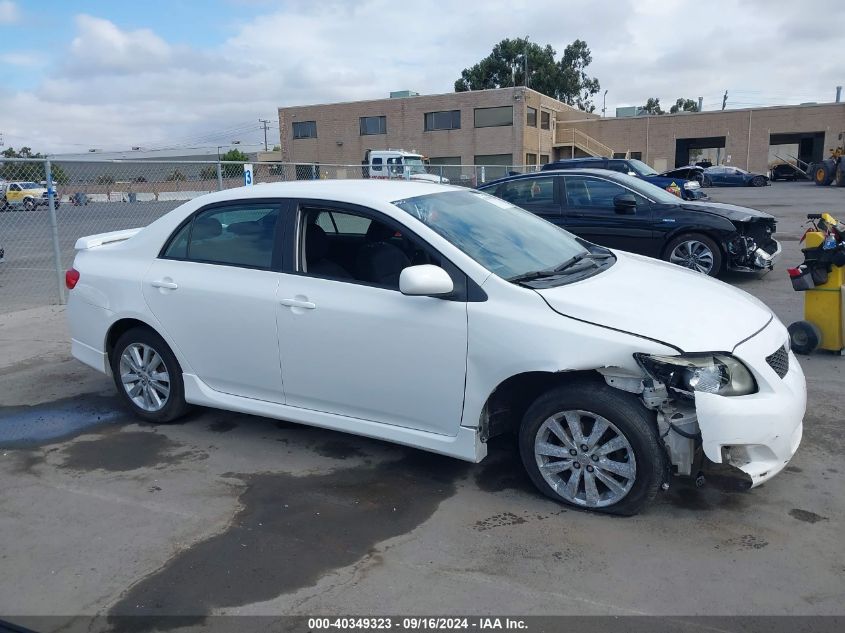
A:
29, 204
696, 252
758, 181
617, 465
822, 174
148, 377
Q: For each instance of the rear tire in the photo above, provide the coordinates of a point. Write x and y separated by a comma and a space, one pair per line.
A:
606, 479
822, 174
695, 251
804, 337
840, 173
148, 377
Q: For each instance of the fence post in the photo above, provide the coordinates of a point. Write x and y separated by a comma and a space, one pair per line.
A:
54, 229
219, 176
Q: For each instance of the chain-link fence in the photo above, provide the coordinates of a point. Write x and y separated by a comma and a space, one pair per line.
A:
46, 205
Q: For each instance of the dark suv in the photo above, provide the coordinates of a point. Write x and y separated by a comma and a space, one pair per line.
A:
620, 211
687, 189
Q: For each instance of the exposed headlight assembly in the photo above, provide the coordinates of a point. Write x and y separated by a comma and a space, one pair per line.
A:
691, 185
721, 374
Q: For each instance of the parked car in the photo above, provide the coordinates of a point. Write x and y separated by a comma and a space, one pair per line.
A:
620, 211
21, 194
438, 317
786, 171
726, 176
686, 189
689, 172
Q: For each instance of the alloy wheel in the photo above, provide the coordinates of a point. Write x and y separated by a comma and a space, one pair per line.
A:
585, 458
694, 255
144, 377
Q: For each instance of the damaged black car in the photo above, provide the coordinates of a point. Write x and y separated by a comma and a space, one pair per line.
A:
619, 211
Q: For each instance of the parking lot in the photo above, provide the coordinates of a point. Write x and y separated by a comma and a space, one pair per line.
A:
232, 514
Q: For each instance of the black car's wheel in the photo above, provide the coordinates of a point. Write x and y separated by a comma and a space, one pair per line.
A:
804, 337
758, 181
147, 376
594, 447
696, 252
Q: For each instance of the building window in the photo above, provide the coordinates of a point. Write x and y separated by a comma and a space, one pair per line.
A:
637, 155
305, 129
544, 159
445, 120
494, 117
531, 159
618, 154
545, 120
373, 125
531, 117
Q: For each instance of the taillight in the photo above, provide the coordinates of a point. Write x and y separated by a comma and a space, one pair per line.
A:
71, 278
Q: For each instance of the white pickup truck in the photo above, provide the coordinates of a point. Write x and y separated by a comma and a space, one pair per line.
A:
397, 164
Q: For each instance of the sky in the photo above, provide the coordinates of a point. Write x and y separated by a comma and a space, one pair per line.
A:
193, 74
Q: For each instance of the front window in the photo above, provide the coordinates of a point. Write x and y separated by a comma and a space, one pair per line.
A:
505, 239
641, 168
415, 164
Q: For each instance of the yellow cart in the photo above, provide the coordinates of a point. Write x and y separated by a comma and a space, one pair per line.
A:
822, 327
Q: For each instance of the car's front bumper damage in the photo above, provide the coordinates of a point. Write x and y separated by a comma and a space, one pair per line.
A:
753, 249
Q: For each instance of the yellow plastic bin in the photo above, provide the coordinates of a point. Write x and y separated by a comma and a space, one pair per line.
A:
822, 327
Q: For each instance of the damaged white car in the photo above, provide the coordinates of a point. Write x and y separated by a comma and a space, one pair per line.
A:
437, 317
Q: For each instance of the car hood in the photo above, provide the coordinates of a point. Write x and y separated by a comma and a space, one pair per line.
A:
663, 302
732, 212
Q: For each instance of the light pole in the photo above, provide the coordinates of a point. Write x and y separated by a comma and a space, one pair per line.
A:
604, 103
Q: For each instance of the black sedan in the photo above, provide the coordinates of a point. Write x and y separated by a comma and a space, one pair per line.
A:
726, 176
690, 172
620, 211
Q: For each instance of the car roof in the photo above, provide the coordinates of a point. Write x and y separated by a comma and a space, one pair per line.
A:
584, 171
352, 191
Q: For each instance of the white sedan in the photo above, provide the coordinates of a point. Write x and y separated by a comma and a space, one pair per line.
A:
437, 317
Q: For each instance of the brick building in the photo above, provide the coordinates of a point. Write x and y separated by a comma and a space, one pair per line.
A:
519, 126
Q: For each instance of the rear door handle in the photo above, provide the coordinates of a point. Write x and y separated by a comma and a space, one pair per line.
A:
172, 285
298, 303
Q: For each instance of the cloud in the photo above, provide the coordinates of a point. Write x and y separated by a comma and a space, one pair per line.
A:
117, 87
24, 59
9, 13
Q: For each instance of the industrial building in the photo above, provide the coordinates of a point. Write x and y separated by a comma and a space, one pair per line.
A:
519, 126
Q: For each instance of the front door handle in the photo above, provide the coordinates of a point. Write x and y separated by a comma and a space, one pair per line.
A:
161, 283
298, 303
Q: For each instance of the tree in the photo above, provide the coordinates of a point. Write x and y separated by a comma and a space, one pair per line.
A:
565, 79
29, 171
233, 171
175, 176
209, 172
684, 105
652, 106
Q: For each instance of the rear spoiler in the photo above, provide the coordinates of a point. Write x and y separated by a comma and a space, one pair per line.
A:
93, 241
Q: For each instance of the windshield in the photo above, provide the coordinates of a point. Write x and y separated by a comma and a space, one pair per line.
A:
415, 164
641, 168
658, 194
505, 239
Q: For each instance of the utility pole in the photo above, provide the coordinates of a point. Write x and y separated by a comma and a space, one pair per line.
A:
725, 100
603, 103
525, 82
264, 123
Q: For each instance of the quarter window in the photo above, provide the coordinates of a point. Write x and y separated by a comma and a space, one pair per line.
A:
373, 125
595, 193
305, 129
237, 235
528, 191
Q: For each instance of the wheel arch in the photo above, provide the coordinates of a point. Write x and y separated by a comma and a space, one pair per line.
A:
507, 403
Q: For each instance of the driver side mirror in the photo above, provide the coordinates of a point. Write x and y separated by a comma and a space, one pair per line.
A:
425, 280
625, 203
